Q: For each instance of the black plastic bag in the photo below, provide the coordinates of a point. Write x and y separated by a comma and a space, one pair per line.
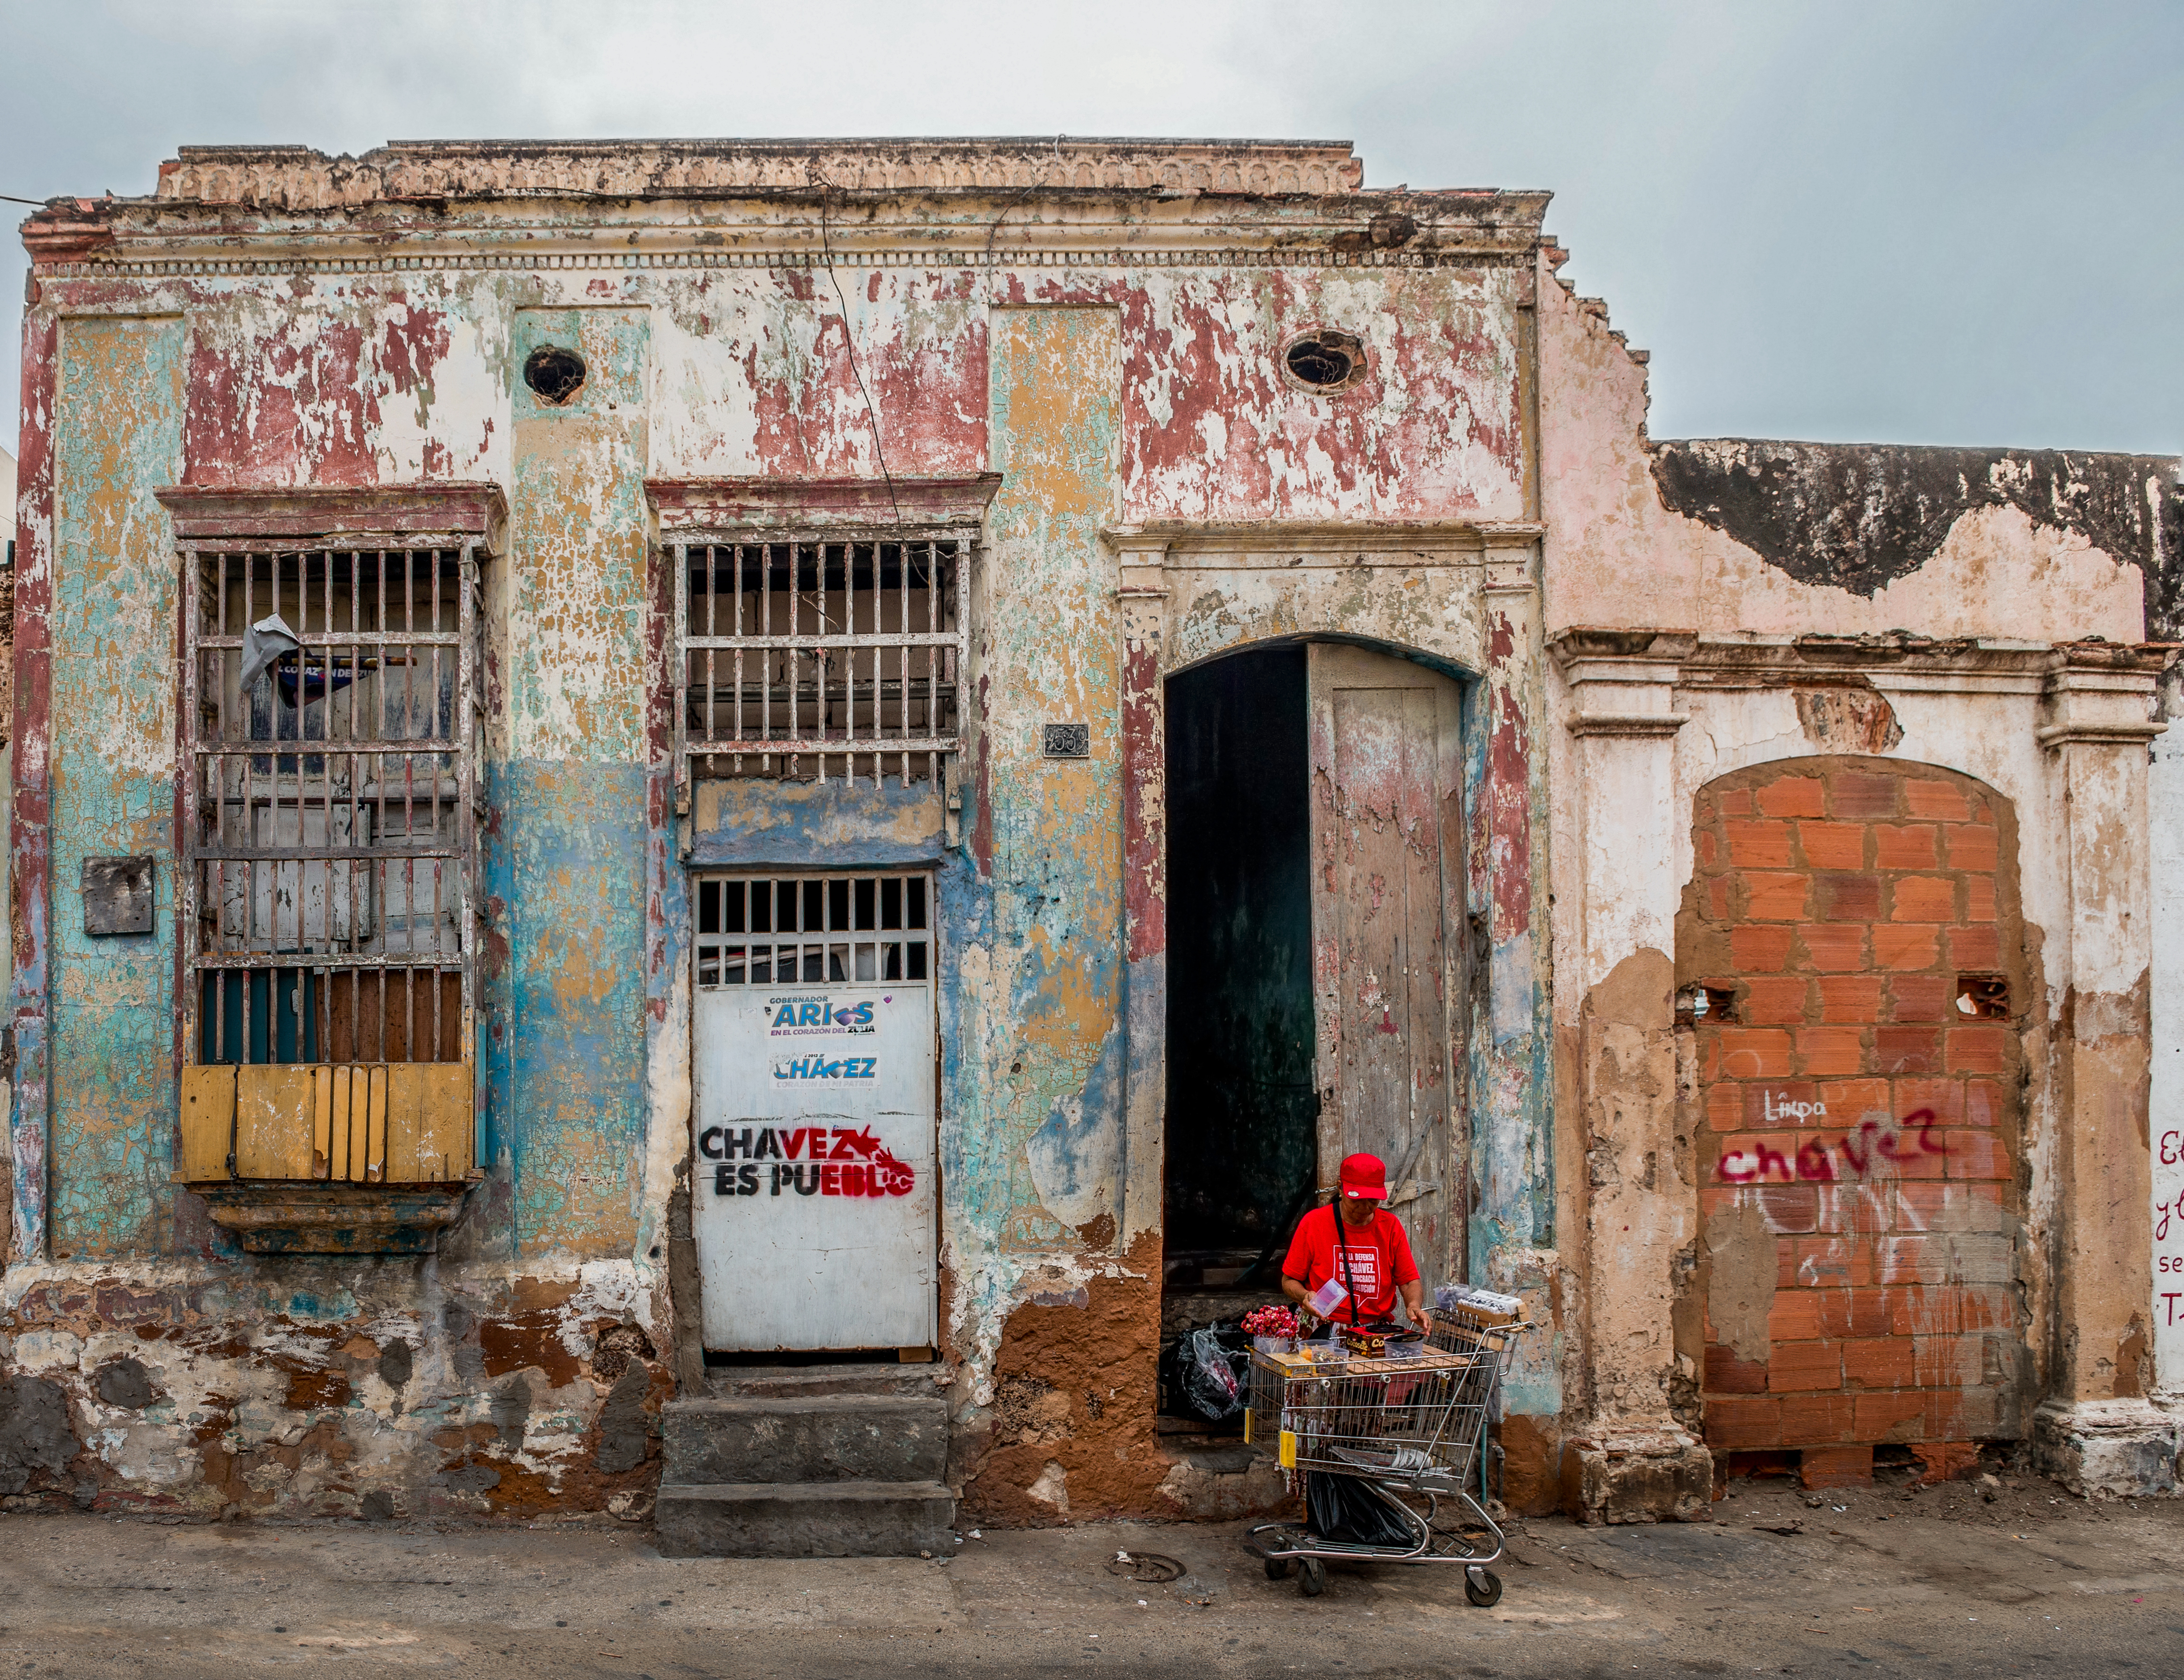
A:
1213, 1387
1343, 1508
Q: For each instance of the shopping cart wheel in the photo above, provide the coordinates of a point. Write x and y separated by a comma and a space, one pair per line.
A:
1278, 1569
1482, 1586
1311, 1577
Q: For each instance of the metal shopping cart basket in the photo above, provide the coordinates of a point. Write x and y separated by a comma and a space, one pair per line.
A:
1409, 1431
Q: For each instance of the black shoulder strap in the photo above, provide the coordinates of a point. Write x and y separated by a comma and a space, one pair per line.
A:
1342, 1250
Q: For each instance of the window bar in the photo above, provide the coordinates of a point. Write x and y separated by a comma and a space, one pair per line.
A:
821, 665
766, 661
738, 762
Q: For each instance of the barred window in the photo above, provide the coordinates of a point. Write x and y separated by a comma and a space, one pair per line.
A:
810, 659
797, 929
331, 723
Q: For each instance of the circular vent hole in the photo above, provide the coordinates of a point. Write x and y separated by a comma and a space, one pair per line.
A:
552, 373
1324, 361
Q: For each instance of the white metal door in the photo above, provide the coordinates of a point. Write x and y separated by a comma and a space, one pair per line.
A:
812, 1113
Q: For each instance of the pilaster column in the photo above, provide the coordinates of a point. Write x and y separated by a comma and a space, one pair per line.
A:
1632, 1460
2098, 1430
1144, 599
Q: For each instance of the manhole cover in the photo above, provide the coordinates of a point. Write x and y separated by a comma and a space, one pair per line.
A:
1149, 1567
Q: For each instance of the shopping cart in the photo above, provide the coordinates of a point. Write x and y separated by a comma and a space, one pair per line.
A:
1409, 1431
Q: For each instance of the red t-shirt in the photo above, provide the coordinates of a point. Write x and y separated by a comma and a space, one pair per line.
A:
1378, 1256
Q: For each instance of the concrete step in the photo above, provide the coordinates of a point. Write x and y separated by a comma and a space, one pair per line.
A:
804, 1520
738, 1381
805, 1438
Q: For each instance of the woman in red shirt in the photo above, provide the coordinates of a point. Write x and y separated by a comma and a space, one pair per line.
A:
1364, 1250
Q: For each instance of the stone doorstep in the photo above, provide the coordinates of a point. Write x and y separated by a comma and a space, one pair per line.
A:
808, 1438
728, 1382
805, 1520
2127, 1449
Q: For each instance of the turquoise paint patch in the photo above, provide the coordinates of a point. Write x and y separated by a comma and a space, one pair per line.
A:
575, 838
118, 439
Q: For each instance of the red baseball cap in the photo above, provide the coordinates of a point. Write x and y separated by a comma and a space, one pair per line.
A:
1365, 1177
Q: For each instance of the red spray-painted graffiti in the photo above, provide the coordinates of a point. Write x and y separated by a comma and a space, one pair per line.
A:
1873, 1143
835, 1161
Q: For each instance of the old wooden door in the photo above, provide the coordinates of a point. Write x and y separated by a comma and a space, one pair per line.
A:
812, 1110
1387, 872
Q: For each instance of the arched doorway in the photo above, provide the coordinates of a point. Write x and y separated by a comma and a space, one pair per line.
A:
1315, 884
1851, 968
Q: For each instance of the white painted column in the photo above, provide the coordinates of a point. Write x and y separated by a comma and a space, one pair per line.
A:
2099, 1430
1636, 1461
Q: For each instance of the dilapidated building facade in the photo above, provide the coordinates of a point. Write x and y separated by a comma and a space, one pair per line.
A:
723, 822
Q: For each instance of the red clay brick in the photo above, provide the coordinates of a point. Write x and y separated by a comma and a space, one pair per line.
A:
1847, 898
1707, 847
1884, 1362
1850, 1100
1836, 948
1973, 846
1762, 1102
1862, 797
1972, 949
1759, 950
1765, 844
1942, 800
1924, 898
1833, 845
1984, 1103
1910, 847
1836, 1467
1733, 802
1949, 1361
1833, 1262
1752, 1053
1789, 1210
1926, 1203
1776, 897
1921, 997
1977, 1050
1759, 1158
1948, 1309
1825, 1052
1721, 898
1943, 1098
1946, 1460
1976, 1154
1803, 1367
1850, 997
1792, 796
1904, 947
1724, 1104
1979, 898
1773, 999
1854, 1312
1795, 1316
1900, 1416
1813, 1420
1744, 1420
1726, 1374
1906, 1050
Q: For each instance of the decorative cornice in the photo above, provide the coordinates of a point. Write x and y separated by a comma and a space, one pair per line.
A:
404, 513
1630, 725
1316, 543
298, 177
693, 506
1693, 661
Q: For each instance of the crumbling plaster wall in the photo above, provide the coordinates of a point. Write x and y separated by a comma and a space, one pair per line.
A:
1747, 542
1104, 391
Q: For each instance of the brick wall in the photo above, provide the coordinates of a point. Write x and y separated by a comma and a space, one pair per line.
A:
1858, 1132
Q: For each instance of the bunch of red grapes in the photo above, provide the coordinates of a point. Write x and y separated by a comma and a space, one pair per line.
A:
1270, 1321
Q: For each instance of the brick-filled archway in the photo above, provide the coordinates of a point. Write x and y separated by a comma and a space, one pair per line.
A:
1850, 963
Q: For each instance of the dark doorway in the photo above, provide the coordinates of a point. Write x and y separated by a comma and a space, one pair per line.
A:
1242, 1152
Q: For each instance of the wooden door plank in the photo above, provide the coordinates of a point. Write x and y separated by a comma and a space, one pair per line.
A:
208, 1111
341, 1084
405, 1118
322, 1119
273, 1122
443, 1150
374, 1159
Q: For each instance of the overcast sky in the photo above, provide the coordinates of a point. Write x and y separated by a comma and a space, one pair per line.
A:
1928, 220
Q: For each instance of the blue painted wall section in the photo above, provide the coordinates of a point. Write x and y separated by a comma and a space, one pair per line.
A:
113, 700
573, 817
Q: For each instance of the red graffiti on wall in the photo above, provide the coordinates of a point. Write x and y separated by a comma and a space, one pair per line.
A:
1863, 1150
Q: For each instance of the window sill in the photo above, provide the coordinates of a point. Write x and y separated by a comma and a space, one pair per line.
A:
315, 1217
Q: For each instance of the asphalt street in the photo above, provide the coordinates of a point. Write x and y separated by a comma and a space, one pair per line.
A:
1932, 1582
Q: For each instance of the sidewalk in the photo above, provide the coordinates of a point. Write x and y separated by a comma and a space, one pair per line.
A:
1937, 1580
